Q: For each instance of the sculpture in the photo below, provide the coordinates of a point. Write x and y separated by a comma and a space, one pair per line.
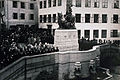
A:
67, 21
1, 17
78, 68
2, 23
92, 67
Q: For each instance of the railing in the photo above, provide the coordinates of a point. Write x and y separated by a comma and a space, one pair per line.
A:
13, 70
30, 66
22, 68
107, 71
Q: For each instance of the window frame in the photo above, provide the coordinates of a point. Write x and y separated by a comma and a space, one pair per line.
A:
59, 2
78, 18
96, 18
104, 34
41, 3
0, 4
41, 18
78, 3
104, 18
45, 18
87, 3
115, 20
87, 20
31, 6
49, 3
45, 4
49, 18
22, 6
15, 15
15, 4
54, 18
22, 16
104, 3
116, 2
31, 18
88, 34
54, 3
114, 33
95, 33
97, 3
3, 3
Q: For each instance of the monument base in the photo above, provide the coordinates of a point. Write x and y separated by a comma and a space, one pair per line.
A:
66, 40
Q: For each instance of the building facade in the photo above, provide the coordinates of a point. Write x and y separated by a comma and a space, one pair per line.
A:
95, 19
19, 12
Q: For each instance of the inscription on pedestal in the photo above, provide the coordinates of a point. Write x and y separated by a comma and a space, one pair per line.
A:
66, 40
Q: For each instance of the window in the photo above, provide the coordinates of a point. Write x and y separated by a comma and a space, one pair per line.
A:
31, 16
22, 16
87, 33
31, 6
49, 18
45, 4
54, 2
95, 33
40, 4
54, 17
2, 3
78, 18
87, 18
59, 2
104, 18
45, 18
104, 34
49, 3
78, 3
15, 15
22, 5
40, 18
69, 2
96, 3
87, 3
15, 5
115, 18
114, 33
116, 3
104, 3
96, 18
79, 34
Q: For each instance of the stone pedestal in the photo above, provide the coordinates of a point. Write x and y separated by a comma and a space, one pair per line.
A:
66, 40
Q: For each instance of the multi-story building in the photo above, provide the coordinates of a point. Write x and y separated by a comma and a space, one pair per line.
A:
98, 19
19, 12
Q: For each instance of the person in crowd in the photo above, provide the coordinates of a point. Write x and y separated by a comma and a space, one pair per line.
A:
15, 44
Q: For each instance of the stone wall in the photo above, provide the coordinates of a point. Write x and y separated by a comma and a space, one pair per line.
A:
61, 62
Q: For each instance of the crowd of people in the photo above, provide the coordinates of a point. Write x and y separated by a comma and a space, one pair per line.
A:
15, 44
86, 44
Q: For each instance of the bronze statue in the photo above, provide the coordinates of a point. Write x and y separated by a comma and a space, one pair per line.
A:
67, 21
